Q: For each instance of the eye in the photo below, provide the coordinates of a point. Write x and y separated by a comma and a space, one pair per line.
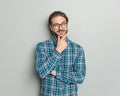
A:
64, 24
55, 25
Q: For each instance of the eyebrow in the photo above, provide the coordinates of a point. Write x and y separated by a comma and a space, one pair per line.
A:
61, 23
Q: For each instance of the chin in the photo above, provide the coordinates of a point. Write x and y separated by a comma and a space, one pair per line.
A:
61, 35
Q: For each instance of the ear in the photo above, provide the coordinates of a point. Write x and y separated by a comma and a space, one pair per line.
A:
50, 26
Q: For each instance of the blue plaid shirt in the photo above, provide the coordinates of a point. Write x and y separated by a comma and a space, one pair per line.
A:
69, 65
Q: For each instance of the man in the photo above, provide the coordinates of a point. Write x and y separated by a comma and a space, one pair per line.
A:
60, 62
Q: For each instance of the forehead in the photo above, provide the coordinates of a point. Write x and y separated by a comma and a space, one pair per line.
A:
58, 19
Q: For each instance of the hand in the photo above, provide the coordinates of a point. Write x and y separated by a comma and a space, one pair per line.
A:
61, 43
53, 72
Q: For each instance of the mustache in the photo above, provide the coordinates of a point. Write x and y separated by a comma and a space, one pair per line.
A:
60, 30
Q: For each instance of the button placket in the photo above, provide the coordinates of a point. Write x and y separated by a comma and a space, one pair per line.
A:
60, 64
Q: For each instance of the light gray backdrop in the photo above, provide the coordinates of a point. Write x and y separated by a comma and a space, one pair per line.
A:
95, 24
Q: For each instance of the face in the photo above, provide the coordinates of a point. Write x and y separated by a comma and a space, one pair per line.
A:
59, 26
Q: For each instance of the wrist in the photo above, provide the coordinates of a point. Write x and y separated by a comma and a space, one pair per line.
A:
58, 50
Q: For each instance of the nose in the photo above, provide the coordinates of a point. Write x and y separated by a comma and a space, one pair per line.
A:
60, 26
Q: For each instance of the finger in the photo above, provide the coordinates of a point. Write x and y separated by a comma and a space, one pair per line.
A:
58, 38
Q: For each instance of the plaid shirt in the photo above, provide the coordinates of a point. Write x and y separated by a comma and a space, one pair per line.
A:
69, 65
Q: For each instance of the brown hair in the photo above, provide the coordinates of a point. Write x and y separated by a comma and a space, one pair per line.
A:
55, 14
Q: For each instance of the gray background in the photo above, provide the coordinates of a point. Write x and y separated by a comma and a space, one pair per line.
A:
95, 24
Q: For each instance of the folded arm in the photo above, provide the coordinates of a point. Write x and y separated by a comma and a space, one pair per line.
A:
45, 62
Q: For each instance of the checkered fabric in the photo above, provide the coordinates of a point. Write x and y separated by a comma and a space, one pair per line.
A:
69, 65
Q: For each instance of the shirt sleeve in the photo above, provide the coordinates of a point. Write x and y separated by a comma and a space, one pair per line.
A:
78, 75
45, 62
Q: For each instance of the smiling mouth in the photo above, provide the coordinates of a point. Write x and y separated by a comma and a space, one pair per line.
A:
61, 32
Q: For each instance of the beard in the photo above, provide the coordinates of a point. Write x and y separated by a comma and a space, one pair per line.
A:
61, 33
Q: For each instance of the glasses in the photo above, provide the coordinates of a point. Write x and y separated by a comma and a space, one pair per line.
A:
56, 25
